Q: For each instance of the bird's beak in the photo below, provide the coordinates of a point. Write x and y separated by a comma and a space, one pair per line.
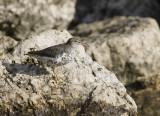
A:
83, 44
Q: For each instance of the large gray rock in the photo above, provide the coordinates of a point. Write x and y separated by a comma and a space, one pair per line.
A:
23, 18
128, 46
87, 88
88, 11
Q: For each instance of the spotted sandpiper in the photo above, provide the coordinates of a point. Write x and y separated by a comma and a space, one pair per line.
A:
57, 55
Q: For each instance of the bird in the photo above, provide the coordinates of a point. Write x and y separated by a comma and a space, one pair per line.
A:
57, 55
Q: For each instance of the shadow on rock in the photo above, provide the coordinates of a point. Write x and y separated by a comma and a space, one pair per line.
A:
89, 11
27, 69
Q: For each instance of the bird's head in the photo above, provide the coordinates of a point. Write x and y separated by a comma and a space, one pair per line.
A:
73, 41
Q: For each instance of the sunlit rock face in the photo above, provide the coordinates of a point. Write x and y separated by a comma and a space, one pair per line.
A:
86, 88
128, 46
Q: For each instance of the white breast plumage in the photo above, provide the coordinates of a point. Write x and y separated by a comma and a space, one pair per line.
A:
59, 60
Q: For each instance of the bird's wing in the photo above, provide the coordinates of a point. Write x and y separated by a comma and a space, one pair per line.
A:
49, 52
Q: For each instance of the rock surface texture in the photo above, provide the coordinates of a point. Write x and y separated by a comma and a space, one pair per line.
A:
22, 18
146, 93
128, 46
88, 11
6, 44
87, 88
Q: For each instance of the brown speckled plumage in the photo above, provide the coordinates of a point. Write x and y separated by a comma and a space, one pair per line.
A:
57, 55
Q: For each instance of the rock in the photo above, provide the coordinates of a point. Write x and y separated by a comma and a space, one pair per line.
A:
128, 46
87, 88
146, 94
6, 44
88, 11
20, 19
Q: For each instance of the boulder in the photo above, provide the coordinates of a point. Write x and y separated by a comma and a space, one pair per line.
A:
128, 46
86, 88
22, 18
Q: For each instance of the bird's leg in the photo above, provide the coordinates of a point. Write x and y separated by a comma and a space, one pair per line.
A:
56, 77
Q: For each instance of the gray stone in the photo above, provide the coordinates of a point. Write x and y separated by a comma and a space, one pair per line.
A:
128, 46
22, 18
87, 88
